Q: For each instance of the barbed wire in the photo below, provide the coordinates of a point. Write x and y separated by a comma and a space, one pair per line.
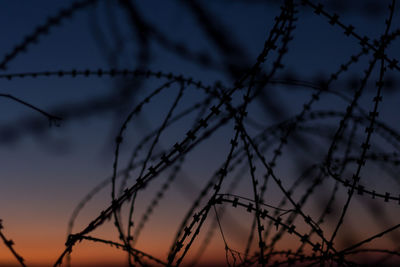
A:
293, 176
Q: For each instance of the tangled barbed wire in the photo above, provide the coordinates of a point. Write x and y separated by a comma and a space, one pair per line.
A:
295, 164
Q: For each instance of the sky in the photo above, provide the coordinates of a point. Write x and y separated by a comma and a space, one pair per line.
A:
48, 167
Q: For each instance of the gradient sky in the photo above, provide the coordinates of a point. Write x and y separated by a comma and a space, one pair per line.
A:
46, 171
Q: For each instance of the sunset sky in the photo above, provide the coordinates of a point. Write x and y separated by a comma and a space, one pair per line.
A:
46, 170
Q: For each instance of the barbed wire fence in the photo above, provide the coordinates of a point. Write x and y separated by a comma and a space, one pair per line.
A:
290, 173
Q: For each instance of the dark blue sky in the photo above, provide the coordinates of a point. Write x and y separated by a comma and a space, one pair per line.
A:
47, 170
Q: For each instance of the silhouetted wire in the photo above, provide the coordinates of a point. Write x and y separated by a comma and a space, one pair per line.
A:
343, 152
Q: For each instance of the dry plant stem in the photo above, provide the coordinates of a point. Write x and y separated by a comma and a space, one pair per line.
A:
52, 119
